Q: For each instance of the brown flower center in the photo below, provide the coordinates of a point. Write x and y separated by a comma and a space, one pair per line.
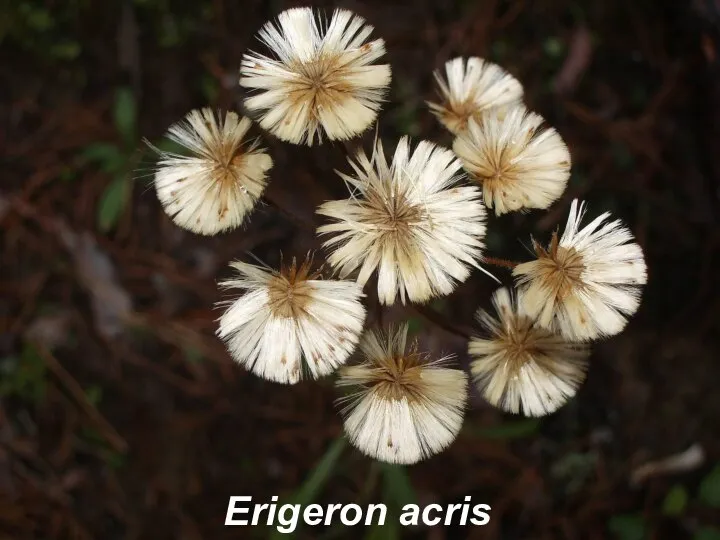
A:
400, 377
289, 291
562, 267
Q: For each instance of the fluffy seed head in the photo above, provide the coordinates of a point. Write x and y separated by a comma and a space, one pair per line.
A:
521, 367
217, 185
472, 90
588, 282
291, 315
405, 407
410, 220
519, 164
322, 80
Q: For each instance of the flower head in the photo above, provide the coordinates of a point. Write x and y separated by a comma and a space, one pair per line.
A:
588, 282
521, 367
289, 315
409, 220
472, 89
519, 164
323, 79
405, 407
214, 188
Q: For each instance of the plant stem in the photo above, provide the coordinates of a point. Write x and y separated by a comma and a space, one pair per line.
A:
503, 263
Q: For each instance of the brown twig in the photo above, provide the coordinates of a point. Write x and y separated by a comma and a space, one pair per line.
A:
503, 263
440, 321
76, 391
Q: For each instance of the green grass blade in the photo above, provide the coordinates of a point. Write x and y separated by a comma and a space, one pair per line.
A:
397, 486
320, 474
314, 483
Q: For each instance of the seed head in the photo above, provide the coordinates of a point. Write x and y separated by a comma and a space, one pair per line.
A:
519, 164
323, 80
410, 220
217, 185
472, 90
405, 407
585, 284
521, 367
289, 316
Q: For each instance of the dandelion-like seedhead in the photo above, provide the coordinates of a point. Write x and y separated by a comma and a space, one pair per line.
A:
404, 407
216, 187
471, 90
521, 367
588, 282
291, 315
410, 220
323, 79
519, 164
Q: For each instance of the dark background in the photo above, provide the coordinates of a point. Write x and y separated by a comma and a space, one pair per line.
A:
122, 417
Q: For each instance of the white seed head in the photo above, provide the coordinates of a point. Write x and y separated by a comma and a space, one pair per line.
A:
323, 79
585, 285
403, 407
521, 367
217, 185
409, 220
519, 164
287, 316
472, 90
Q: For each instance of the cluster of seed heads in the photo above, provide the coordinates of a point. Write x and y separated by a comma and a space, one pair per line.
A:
417, 222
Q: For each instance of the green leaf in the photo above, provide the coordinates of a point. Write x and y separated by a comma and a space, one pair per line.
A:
108, 156
115, 460
125, 115
320, 474
65, 50
389, 531
170, 146
553, 47
675, 501
24, 377
193, 356
94, 394
169, 34
415, 325
37, 18
627, 527
397, 485
112, 203
68, 174
209, 88
709, 493
313, 484
508, 430
707, 533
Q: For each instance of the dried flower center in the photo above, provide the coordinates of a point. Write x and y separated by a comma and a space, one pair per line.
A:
225, 171
393, 213
229, 157
225, 174
458, 114
290, 291
562, 267
400, 378
569, 263
519, 341
502, 167
497, 175
321, 81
